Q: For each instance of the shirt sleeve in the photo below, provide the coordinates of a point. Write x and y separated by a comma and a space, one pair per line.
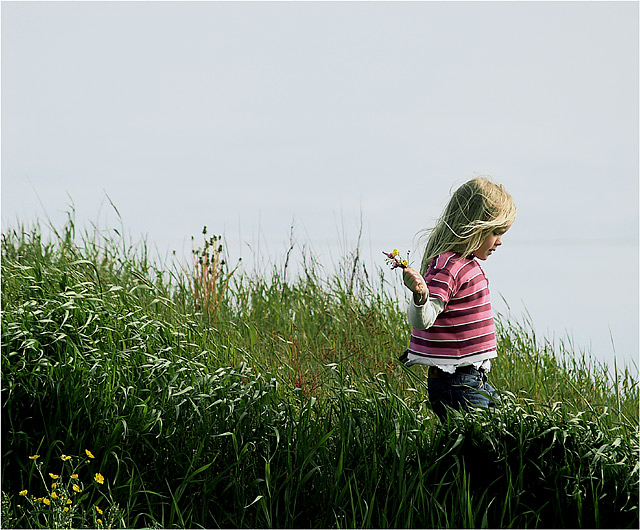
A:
441, 285
423, 316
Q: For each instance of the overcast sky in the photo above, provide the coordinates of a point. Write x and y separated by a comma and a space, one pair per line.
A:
248, 116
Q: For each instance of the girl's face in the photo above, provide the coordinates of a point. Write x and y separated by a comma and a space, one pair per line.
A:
491, 243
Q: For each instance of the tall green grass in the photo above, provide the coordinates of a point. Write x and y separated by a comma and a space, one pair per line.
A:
216, 398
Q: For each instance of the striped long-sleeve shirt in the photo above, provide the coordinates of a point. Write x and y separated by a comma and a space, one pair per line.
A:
464, 332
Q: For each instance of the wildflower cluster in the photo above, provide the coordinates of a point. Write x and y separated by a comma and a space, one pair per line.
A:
394, 259
64, 491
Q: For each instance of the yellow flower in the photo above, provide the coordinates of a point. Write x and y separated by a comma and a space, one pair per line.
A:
99, 510
99, 478
65, 457
54, 476
54, 495
69, 501
76, 488
89, 454
23, 493
46, 501
99, 521
75, 475
54, 485
394, 260
34, 457
65, 509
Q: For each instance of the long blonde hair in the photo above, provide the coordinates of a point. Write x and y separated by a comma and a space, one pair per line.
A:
475, 209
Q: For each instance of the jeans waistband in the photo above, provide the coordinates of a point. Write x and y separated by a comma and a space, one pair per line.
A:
436, 373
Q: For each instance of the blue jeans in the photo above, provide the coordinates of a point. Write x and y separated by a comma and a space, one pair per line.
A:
463, 390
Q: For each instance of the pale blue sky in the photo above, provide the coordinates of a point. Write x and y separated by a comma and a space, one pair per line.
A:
246, 116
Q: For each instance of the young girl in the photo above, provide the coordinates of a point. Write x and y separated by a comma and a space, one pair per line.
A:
453, 329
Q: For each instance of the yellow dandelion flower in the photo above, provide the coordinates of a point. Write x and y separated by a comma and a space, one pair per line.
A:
75, 475
89, 454
54, 477
54, 495
46, 501
99, 478
76, 488
23, 493
405, 263
54, 485
69, 501
65, 509
65, 457
34, 457
99, 521
395, 252
99, 510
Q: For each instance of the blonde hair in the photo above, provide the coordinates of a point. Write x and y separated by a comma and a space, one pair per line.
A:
475, 209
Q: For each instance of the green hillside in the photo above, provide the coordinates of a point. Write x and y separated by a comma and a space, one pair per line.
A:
202, 396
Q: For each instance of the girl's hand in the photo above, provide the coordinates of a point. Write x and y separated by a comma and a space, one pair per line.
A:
416, 284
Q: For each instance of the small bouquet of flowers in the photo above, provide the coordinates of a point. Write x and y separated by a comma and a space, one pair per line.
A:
394, 259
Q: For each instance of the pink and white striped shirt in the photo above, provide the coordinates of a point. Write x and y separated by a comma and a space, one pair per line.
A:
464, 332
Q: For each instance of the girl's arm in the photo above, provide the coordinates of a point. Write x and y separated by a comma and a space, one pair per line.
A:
423, 309
416, 284
423, 316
